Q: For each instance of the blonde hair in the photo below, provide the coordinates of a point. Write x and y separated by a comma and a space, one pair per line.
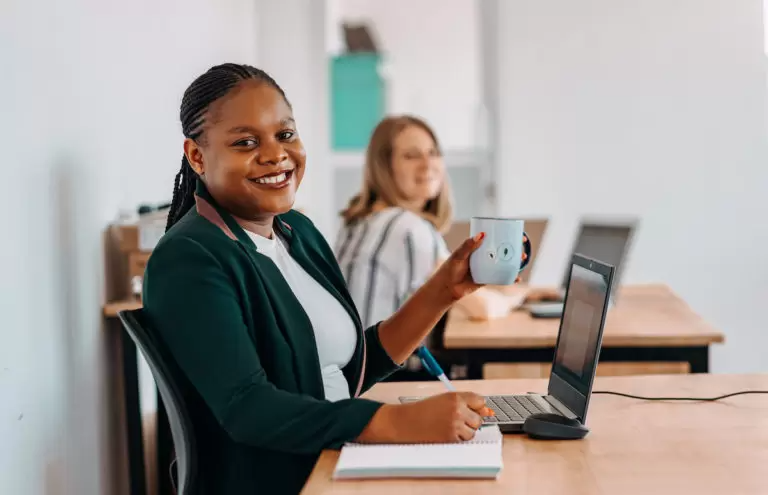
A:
379, 182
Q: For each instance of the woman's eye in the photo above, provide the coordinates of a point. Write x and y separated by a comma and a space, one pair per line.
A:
246, 143
285, 135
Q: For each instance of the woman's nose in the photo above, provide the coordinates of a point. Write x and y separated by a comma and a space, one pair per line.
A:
272, 153
432, 163
424, 162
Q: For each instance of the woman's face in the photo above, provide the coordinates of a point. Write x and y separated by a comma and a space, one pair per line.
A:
417, 166
251, 158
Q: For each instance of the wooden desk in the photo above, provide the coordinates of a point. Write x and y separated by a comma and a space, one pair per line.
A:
112, 309
648, 323
634, 447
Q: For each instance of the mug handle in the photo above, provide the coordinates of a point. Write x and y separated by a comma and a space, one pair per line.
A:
527, 249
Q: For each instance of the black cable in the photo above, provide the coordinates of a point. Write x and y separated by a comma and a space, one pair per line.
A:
695, 399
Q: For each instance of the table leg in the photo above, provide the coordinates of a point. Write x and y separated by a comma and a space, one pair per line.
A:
474, 368
698, 358
136, 472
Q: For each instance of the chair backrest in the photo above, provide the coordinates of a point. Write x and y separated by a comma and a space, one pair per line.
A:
170, 393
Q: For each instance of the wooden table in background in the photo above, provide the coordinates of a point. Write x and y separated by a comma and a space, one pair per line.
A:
648, 324
634, 447
112, 309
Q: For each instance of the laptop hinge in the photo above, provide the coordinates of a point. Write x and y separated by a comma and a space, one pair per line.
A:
560, 407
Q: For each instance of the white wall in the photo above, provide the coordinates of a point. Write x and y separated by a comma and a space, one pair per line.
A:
433, 60
654, 108
89, 123
299, 63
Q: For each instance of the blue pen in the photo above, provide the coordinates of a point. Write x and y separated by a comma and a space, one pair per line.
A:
433, 368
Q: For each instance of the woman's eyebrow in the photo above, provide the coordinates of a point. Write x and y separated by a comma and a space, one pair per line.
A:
242, 128
246, 128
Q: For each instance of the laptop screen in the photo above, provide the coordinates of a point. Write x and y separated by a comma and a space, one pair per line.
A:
607, 243
581, 327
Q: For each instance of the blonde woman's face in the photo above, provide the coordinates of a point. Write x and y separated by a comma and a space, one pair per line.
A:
417, 166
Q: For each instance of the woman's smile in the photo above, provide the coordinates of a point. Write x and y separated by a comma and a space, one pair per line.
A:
275, 180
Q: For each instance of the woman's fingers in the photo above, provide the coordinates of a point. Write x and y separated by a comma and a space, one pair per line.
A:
474, 401
466, 433
472, 422
468, 246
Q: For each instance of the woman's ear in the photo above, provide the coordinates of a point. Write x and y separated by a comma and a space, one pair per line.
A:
194, 156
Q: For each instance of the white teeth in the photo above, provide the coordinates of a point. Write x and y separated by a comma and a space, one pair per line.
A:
275, 179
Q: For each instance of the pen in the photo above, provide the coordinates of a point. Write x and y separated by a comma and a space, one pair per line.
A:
434, 369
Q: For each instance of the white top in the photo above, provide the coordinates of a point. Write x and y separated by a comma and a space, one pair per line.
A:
335, 332
385, 257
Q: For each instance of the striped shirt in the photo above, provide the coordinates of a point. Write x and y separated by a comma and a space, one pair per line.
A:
385, 257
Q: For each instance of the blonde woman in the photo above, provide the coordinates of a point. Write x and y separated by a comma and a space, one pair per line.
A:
391, 240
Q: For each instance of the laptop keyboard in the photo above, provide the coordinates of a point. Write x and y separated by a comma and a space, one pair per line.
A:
513, 408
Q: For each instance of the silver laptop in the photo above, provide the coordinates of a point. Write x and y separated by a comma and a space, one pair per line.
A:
576, 353
605, 240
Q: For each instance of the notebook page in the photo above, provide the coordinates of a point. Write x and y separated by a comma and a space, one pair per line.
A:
479, 457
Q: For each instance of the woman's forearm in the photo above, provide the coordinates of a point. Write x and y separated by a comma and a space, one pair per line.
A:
404, 331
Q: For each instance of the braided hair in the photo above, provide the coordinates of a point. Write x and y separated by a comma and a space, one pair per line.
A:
216, 83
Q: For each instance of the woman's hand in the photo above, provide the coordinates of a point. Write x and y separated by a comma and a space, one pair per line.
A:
401, 333
543, 295
444, 418
453, 278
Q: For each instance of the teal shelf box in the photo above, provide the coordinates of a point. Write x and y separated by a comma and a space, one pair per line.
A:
357, 99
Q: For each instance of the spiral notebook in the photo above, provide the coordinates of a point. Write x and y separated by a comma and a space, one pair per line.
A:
477, 458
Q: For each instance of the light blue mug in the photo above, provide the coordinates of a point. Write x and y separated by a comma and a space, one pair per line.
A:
498, 260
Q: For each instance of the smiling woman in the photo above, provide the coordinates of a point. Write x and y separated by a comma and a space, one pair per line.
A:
246, 297
224, 155
391, 243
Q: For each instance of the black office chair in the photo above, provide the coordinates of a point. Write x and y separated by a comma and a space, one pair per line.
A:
170, 393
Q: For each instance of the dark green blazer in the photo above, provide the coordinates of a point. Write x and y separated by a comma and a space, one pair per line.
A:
246, 352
